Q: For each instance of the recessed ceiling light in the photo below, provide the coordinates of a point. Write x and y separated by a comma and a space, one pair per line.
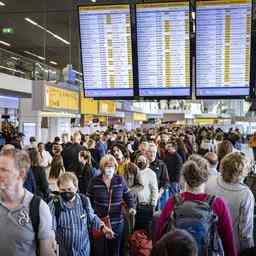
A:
48, 31
35, 55
94, 1
4, 43
53, 63
11, 69
2, 4
14, 58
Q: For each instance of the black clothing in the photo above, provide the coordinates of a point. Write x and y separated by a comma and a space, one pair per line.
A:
183, 155
174, 164
42, 186
71, 155
84, 174
48, 147
159, 167
95, 164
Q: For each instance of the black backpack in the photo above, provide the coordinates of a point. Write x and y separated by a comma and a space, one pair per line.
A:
198, 218
34, 215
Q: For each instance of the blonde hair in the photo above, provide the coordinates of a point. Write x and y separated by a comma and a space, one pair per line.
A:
232, 166
67, 176
86, 155
105, 159
77, 137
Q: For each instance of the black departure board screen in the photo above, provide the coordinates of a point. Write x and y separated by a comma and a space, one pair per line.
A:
163, 47
223, 45
106, 49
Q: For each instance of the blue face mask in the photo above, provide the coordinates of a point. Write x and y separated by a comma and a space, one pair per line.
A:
110, 171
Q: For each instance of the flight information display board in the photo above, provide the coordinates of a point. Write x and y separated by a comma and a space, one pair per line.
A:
223, 45
106, 49
163, 47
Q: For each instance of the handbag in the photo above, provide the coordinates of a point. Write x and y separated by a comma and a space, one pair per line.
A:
96, 233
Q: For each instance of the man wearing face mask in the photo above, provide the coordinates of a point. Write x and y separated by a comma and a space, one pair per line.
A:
73, 218
107, 192
148, 196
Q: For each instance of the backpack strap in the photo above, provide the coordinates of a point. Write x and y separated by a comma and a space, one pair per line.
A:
210, 200
57, 210
85, 204
34, 215
178, 200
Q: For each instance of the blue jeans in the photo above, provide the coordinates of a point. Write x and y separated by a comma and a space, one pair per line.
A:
110, 247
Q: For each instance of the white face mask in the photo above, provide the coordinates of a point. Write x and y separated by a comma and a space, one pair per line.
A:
110, 171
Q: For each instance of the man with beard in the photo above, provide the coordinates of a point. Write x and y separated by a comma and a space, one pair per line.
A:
18, 208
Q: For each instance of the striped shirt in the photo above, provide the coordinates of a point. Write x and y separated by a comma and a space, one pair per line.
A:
71, 229
99, 195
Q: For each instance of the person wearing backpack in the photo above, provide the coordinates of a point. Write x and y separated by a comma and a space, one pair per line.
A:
74, 218
205, 217
25, 222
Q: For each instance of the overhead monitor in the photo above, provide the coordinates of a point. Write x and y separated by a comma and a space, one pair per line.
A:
106, 49
223, 46
163, 48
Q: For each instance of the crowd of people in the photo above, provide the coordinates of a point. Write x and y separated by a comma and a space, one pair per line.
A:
166, 191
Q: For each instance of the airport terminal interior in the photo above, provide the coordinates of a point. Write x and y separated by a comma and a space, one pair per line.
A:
127, 127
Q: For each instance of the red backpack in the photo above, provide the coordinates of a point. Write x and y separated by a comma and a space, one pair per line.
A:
140, 244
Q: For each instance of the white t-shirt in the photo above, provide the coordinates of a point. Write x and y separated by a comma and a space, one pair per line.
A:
149, 194
45, 159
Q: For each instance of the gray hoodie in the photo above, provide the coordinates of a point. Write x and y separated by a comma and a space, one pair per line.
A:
241, 204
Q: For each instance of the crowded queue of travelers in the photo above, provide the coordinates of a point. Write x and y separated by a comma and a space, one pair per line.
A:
177, 190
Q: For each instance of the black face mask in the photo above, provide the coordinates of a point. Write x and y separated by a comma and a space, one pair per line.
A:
142, 165
67, 196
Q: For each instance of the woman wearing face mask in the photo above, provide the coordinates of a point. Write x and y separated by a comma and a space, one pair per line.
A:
106, 193
148, 196
73, 216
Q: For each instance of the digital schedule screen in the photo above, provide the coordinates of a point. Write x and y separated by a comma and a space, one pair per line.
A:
223, 42
163, 47
106, 49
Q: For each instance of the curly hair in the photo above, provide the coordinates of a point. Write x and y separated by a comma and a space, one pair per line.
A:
232, 166
195, 171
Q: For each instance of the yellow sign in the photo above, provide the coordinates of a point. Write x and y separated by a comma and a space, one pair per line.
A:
89, 106
59, 98
205, 121
139, 117
107, 106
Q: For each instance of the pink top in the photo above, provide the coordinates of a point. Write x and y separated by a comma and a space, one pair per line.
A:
219, 207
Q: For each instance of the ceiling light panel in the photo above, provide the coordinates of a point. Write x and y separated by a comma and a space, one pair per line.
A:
35, 55
54, 62
48, 31
5, 43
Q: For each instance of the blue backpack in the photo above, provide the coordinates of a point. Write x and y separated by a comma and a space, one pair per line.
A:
198, 218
